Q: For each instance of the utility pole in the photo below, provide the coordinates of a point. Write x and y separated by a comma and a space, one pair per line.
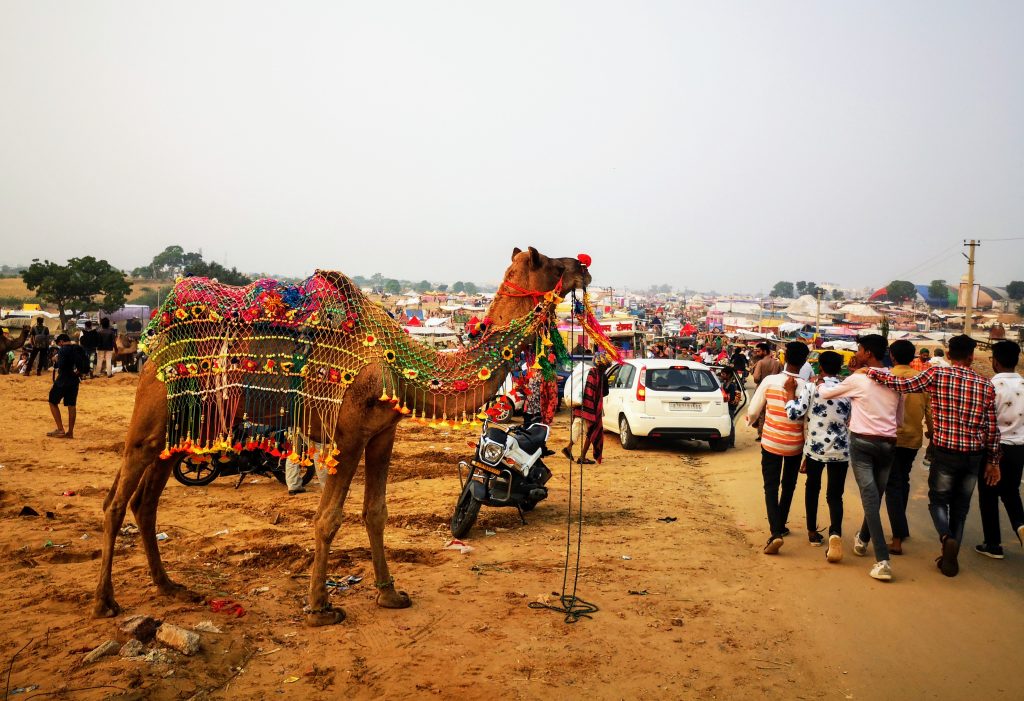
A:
970, 285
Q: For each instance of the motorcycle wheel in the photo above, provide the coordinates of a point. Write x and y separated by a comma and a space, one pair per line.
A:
466, 510
196, 474
307, 476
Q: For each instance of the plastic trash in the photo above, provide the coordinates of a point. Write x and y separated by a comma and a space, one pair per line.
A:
458, 545
232, 608
223, 532
162, 536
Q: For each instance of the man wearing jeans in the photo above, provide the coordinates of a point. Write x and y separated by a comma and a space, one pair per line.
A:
875, 418
782, 441
1010, 415
917, 415
965, 438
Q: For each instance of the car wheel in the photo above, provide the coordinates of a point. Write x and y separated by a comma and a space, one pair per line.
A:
626, 437
719, 445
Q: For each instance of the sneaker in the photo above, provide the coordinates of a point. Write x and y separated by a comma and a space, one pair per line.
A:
881, 571
835, 548
993, 551
815, 539
860, 548
773, 545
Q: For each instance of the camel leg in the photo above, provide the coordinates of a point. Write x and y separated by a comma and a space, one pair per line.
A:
375, 516
326, 523
144, 506
142, 446
138, 458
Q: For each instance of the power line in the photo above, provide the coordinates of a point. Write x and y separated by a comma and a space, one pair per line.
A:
1012, 238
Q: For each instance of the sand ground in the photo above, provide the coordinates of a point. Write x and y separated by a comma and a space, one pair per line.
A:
696, 611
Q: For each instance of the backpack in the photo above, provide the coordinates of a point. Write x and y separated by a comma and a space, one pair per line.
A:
39, 332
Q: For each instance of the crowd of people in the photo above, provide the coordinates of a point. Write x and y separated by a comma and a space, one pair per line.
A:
874, 423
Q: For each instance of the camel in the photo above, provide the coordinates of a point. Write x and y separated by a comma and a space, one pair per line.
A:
365, 425
8, 344
125, 350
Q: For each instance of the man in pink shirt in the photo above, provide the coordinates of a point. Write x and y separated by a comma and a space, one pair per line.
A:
874, 421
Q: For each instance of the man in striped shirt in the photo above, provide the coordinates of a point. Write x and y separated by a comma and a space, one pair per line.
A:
782, 442
965, 436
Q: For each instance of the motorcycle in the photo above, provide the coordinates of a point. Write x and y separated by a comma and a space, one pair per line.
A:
201, 470
506, 470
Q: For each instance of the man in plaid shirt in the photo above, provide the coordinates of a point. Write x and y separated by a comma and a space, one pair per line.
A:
965, 437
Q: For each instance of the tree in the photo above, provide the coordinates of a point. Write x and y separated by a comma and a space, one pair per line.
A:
883, 328
837, 294
938, 290
782, 289
811, 289
900, 291
470, 288
392, 287
213, 269
801, 286
1020, 310
422, 286
458, 287
1015, 289
442, 288
82, 285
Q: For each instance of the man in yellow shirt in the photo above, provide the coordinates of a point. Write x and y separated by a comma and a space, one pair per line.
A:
917, 413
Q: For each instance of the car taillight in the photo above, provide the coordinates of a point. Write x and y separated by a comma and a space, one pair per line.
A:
641, 390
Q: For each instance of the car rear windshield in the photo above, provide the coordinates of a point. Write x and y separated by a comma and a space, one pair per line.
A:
680, 379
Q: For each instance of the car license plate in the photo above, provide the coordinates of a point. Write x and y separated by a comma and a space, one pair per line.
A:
684, 406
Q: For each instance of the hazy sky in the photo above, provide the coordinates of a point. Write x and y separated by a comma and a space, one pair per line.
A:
719, 144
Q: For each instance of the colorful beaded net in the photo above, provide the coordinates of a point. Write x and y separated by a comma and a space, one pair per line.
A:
263, 367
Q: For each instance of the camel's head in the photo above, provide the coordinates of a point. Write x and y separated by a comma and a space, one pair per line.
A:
535, 271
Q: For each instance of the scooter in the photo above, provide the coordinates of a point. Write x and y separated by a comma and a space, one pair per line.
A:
506, 470
200, 470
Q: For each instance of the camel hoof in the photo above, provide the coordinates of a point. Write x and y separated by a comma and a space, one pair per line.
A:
106, 609
179, 592
328, 617
391, 599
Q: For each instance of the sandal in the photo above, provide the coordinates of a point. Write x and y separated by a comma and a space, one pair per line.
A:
56, 434
587, 461
567, 452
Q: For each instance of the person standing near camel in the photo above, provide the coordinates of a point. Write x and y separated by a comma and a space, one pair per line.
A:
72, 363
587, 416
107, 340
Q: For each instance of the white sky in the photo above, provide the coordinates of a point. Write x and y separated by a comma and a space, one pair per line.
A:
719, 144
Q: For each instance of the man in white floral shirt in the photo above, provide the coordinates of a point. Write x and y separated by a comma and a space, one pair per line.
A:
826, 448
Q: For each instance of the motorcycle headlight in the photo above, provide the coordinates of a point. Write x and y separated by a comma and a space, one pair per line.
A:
491, 453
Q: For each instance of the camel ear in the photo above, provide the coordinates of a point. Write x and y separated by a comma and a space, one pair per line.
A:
516, 251
534, 257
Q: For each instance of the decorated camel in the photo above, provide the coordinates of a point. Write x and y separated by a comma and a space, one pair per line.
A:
237, 368
8, 344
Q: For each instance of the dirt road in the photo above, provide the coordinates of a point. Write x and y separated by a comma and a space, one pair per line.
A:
688, 609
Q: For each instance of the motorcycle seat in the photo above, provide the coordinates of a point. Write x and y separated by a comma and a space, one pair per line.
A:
533, 438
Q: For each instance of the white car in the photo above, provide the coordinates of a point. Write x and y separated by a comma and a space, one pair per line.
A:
667, 399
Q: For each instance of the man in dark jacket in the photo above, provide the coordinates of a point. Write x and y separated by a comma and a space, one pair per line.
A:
90, 341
